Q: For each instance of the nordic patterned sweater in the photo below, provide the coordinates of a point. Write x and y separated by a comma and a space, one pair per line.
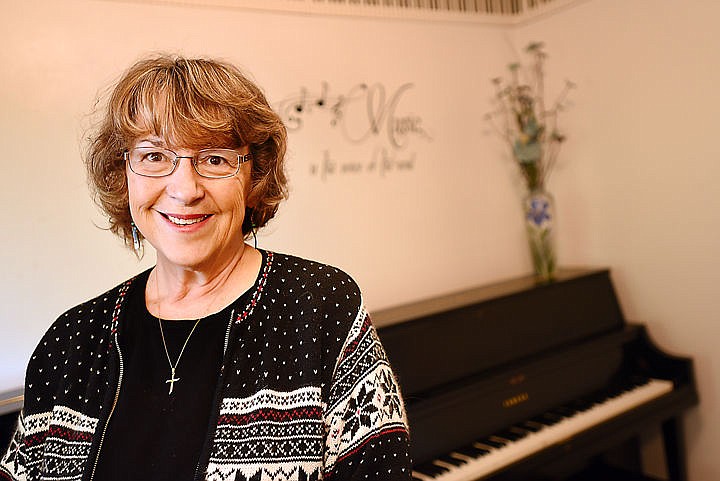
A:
326, 408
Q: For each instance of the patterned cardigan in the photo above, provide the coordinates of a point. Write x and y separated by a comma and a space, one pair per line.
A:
305, 390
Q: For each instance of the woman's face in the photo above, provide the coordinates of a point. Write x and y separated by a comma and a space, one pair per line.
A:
192, 221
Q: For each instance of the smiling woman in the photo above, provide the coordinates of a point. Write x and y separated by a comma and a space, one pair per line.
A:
223, 361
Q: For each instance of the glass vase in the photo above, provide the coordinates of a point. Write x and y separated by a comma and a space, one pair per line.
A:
539, 210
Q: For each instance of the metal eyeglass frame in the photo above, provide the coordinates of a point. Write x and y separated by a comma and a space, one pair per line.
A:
193, 160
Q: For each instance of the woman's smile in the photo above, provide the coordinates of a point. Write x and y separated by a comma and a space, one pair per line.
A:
185, 219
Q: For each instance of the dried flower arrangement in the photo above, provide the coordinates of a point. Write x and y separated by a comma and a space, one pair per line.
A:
524, 122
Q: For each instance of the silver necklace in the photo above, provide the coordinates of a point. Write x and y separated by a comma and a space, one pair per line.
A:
174, 379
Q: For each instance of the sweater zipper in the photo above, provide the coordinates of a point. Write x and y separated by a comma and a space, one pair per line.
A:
213, 420
112, 409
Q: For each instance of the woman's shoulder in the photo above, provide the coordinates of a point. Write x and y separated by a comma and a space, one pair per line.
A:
93, 314
63, 364
312, 290
312, 277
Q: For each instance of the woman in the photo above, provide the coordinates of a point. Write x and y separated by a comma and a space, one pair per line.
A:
222, 362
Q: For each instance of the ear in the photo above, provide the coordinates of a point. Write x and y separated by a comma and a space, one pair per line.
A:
250, 202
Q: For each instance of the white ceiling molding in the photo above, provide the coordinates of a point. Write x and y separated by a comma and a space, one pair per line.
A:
498, 12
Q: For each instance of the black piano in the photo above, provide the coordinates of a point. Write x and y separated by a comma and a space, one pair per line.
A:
10, 405
520, 381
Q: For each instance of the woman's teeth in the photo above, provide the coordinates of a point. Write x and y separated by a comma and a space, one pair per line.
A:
179, 221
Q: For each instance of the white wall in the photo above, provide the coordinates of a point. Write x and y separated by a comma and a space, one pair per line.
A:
635, 186
404, 236
638, 191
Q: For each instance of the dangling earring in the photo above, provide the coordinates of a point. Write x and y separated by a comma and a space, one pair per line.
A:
137, 245
250, 219
254, 229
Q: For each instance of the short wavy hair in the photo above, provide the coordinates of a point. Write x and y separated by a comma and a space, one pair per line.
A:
194, 103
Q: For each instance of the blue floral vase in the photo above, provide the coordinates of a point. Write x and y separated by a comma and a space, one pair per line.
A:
539, 210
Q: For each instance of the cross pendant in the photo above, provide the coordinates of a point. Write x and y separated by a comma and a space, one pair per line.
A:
172, 380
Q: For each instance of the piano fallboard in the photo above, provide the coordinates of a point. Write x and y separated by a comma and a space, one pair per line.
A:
463, 333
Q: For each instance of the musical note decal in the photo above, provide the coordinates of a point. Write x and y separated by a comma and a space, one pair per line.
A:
363, 113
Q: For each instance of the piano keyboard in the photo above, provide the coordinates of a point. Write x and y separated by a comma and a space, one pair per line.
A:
490, 454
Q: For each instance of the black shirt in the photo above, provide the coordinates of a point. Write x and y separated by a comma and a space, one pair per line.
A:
152, 434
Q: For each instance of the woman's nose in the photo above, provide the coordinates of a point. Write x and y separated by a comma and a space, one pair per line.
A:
184, 184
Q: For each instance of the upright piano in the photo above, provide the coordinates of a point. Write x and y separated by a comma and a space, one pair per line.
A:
10, 405
526, 381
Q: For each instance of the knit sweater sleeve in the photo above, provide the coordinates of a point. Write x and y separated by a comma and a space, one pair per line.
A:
367, 432
64, 384
13, 462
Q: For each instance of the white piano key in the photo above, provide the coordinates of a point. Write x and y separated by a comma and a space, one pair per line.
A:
512, 452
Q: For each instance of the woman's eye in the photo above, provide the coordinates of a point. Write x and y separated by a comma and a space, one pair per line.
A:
214, 160
154, 157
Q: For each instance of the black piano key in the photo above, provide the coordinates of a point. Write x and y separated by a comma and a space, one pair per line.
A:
565, 411
553, 417
602, 396
622, 387
499, 439
580, 405
519, 430
613, 393
562, 412
636, 381
430, 469
450, 460
547, 419
540, 420
507, 436
531, 426
586, 402
512, 435
495, 443
472, 451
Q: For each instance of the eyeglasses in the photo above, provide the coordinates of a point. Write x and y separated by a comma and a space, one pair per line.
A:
159, 162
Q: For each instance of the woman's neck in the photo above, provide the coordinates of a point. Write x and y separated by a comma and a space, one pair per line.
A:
181, 292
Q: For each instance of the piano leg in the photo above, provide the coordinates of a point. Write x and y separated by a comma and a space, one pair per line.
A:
674, 449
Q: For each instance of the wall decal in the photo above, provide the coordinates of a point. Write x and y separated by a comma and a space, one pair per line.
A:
364, 115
